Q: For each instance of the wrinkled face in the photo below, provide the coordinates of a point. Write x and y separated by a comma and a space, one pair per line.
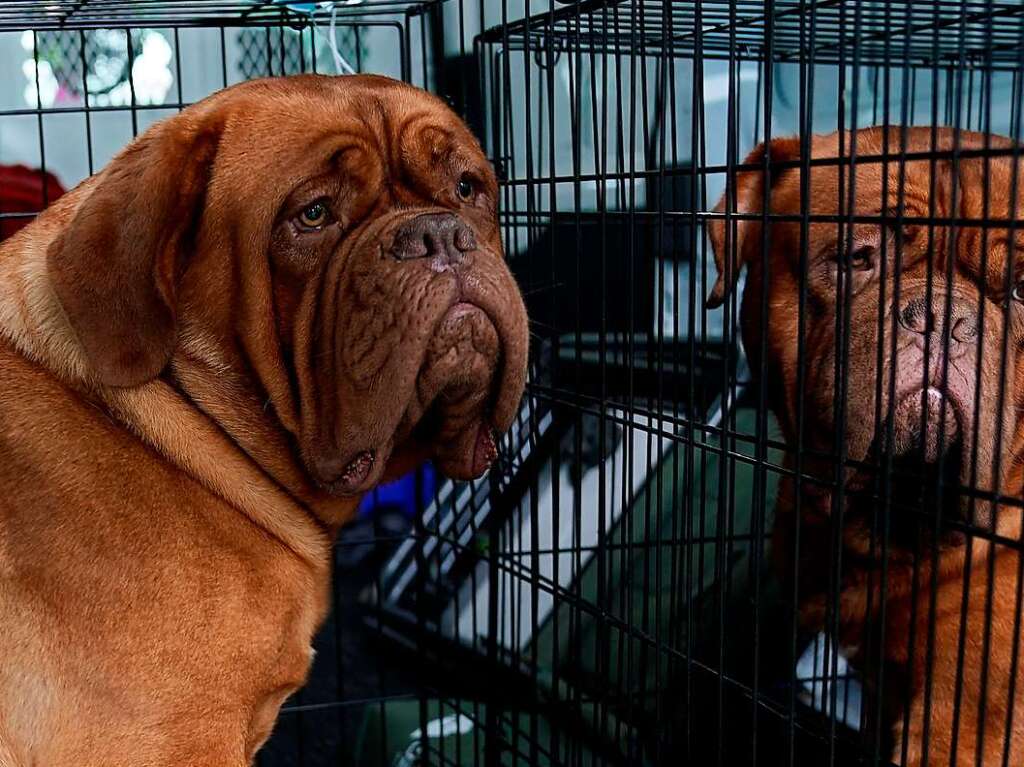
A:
905, 369
402, 327
315, 261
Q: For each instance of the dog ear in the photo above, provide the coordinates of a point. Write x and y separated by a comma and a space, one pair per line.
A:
748, 186
115, 267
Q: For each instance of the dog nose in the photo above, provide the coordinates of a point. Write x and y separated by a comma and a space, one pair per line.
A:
965, 328
920, 318
434, 234
917, 317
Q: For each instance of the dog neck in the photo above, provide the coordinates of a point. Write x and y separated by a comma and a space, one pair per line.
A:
32, 320
247, 417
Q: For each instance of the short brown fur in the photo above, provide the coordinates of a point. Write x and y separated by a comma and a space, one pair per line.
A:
186, 370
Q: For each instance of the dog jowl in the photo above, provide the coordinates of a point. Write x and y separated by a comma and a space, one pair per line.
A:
895, 317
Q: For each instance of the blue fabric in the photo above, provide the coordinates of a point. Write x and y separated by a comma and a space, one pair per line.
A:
305, 7
401, 494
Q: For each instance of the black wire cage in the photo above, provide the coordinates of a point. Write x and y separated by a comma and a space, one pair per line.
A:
761, 504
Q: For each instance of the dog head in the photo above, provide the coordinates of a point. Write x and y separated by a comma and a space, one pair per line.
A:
887, 332
320, 252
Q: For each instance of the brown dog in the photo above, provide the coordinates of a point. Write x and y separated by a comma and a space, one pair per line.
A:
208, 351
933, 408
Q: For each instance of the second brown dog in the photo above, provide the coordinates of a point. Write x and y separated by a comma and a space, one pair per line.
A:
923, 382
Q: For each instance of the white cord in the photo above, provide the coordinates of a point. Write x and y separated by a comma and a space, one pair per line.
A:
341, 66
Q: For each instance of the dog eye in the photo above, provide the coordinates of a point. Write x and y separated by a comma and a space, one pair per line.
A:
1018, 292
314, 216
860, 259
465, 187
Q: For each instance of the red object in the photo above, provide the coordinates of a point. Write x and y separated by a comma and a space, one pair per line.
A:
25, 191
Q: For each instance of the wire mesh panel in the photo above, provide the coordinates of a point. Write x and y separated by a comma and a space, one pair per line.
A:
781, 337
82, 78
